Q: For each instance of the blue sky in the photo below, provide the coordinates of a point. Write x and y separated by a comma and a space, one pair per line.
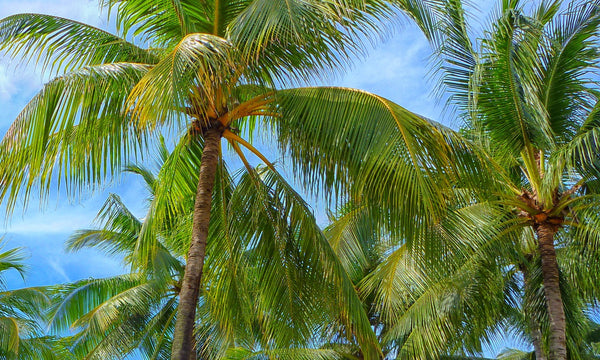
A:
396, 69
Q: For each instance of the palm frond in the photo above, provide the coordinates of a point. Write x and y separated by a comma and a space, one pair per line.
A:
12, 259
75, 129
61, 44
195, 79
349, 142
161, 23
324, 34
566, 94
297, 263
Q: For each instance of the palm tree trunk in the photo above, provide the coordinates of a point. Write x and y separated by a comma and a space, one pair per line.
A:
556, 313
183, 335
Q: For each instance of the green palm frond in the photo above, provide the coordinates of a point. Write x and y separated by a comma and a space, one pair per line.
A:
263, 29
350, 141
43, 347
75, 128
93, 298
22, 312
123, 234
566, 93
162, 23
579, 152
22, 315
509, 75
297, 263
61, 44
11, 259
114, 316
118, 235
515, 354
352, 237
457, 56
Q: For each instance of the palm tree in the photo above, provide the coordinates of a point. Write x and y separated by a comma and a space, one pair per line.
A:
534, 114
205, 72
22, 317
527, 91
464, 293
203, 69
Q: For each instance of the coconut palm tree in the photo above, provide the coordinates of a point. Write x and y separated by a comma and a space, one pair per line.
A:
464, 293
527, 91
22, 317
202, 69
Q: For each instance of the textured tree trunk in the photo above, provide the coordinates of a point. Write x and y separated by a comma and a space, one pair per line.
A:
536, 333
183, 335
558, 340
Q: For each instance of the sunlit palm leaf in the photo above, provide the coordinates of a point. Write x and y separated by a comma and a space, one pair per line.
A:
75, 128
63, 44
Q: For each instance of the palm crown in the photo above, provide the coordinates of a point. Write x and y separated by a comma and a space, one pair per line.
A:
527, 92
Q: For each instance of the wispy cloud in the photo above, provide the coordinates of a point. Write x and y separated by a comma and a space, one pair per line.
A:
63, 221
61, 216
49, 263
57, 266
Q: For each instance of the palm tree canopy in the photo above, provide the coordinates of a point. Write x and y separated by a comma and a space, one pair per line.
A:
526, 88
22, 317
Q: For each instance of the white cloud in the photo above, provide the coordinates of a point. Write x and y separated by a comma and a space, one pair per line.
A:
7, 84
58, 267
16, 82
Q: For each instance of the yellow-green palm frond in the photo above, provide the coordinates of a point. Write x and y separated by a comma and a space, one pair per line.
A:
346, 141
75, 129
195, 79
61, 44
161, 23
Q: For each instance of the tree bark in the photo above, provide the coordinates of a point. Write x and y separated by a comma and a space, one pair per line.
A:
183, 335
556, 313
